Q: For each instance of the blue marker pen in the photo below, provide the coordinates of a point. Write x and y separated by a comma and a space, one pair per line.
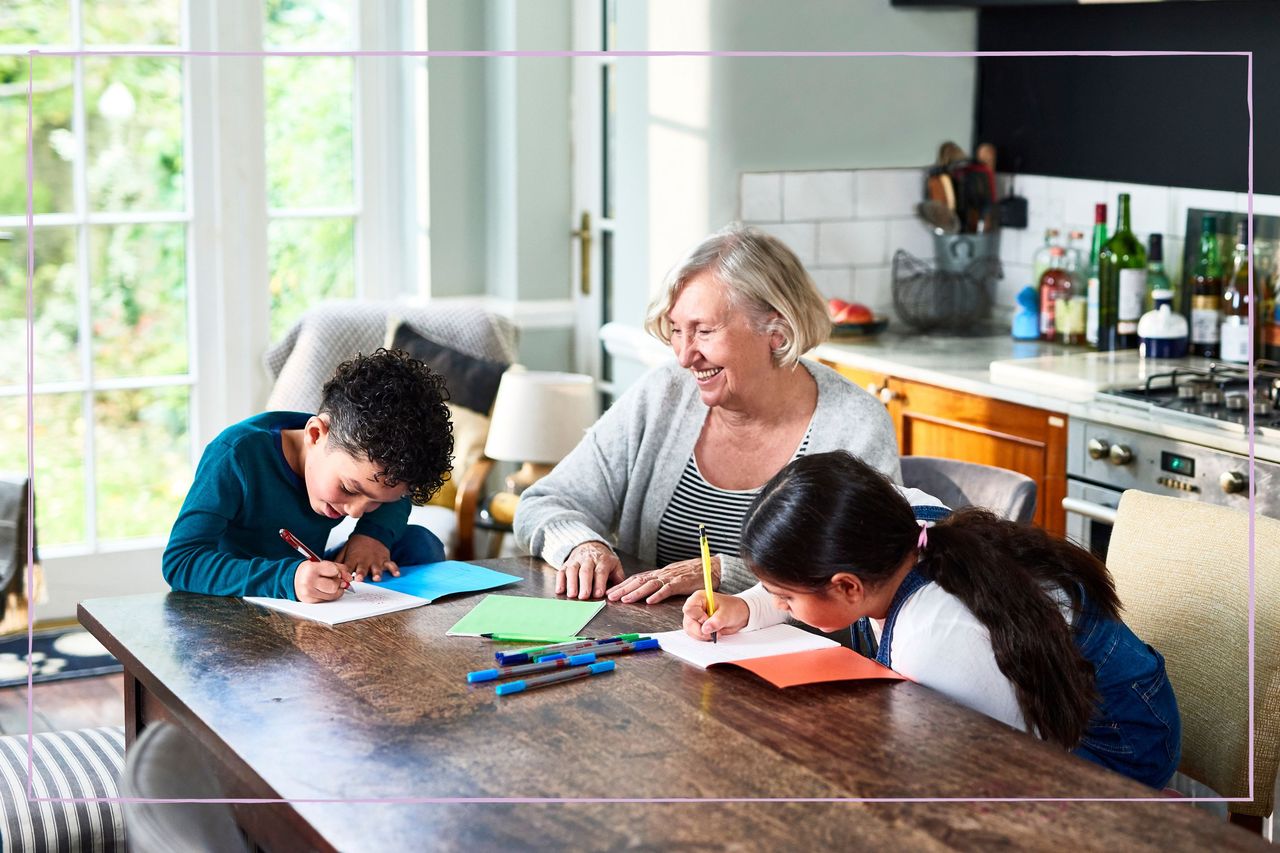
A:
544, 666
554, 678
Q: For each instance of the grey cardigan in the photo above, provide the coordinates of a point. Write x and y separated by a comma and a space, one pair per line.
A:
615, 485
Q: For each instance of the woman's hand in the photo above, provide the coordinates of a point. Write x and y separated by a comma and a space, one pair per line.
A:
657, 585
587, 570
730, 617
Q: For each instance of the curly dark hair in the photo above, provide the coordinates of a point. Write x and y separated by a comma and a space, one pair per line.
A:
389, 408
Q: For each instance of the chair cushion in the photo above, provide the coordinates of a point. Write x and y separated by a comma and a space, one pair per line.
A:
72, 765
472, 382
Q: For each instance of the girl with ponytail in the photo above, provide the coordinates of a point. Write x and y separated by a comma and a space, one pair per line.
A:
999, 616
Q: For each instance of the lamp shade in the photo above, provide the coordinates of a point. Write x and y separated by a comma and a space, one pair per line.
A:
539, 416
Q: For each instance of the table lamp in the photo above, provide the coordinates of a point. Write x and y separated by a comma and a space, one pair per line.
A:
538, 417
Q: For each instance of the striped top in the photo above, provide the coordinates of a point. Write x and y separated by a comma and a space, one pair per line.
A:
698, 502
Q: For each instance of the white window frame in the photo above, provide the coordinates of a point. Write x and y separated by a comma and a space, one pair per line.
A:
227, 261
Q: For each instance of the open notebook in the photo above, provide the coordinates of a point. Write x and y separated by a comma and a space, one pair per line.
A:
783, 655
360, 602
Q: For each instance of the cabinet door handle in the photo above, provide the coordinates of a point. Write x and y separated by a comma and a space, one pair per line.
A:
886, 394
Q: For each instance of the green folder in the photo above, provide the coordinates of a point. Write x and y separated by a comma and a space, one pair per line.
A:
535, 617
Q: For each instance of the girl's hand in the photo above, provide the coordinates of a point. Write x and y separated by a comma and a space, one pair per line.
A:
314, 582
586, 572
657, 585
730, 617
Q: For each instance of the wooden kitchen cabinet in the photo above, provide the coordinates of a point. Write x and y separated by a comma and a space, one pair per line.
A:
935, 421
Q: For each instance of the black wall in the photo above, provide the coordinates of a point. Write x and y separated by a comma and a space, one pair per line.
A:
1176, 121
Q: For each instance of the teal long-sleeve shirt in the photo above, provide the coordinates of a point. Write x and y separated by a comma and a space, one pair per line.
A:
226, 540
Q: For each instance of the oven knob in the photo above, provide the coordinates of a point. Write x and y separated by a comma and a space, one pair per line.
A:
1121, 455
1098, 448
1233, 482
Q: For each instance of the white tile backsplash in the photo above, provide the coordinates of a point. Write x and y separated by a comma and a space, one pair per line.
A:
817, 195
845, 225
853, 243
800, 237
761, 197
888, 192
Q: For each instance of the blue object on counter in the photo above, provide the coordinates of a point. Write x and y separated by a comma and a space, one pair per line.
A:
1162, 332
1026, 322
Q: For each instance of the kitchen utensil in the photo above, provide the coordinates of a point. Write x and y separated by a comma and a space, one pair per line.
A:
939, 216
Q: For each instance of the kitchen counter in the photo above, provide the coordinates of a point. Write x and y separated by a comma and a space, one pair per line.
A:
1045, 376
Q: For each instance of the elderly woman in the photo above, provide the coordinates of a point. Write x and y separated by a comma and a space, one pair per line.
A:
693, 442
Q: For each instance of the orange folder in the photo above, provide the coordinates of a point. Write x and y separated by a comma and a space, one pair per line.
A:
835, 663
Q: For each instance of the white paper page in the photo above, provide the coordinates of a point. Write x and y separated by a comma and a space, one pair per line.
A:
369, 600
776, 640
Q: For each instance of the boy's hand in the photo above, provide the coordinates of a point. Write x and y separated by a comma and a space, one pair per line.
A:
314, 582
365, 555
730, 617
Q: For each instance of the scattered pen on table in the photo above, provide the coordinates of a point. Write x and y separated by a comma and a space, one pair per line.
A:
520, 655
529, 638
298, 545
618, 648
554, 678
561, 661
706, 574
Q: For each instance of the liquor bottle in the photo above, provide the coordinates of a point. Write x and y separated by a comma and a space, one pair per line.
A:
1234, 337
1091, 274
1206, 293
1122, 283
1041, 259
1156, 278
1051, 286
1071, 307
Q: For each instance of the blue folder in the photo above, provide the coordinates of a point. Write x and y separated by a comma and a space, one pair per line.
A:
435, 580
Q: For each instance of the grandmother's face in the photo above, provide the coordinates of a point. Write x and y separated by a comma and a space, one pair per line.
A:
718, 344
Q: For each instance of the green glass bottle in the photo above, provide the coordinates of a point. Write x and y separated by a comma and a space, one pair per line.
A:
1122, 284
1206, 293
1156, 277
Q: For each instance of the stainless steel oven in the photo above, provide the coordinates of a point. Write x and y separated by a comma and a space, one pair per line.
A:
1091, 512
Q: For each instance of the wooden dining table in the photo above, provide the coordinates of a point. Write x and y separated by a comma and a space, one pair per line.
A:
368, 737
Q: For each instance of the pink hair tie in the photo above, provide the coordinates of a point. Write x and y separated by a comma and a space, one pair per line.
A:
924, 535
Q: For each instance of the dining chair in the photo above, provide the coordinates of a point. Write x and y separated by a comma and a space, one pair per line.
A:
164, 763
959, 484
1181, 569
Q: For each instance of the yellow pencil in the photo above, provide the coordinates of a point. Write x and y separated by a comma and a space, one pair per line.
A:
706, 574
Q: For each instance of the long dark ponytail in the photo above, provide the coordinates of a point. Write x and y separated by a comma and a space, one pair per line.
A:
829, 512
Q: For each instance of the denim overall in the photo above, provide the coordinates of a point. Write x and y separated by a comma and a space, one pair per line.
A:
1136, 730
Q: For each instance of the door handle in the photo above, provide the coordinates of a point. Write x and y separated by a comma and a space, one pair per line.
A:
1091, 510
583, 234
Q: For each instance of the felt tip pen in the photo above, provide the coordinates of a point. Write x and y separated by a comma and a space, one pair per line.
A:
297, 544
544, 666
554, 678
503, 657
525, 638
618, 648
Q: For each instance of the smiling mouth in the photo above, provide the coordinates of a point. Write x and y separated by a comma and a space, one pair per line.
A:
703, 375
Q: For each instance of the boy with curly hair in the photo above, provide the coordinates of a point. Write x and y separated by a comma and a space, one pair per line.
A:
382, 434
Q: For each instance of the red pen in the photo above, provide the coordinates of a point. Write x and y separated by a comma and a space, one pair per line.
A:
296, 544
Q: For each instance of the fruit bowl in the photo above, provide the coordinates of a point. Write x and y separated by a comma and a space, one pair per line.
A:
859, 330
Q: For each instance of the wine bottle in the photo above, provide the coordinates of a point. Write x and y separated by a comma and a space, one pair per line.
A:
1156, 277
1206, 293
1234, 337
1122, 283
1050, 291
1069, 316
1091, 275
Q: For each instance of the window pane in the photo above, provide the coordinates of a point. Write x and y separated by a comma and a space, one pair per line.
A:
139, 296
308, 130
54, 148
137, 498
59, 458
55, 305
311, 260
312, 24
35, 22
131, 22
133, 108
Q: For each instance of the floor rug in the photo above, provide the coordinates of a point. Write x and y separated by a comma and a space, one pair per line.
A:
57, 654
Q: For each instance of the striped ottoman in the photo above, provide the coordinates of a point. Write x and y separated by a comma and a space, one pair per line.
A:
81, 764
